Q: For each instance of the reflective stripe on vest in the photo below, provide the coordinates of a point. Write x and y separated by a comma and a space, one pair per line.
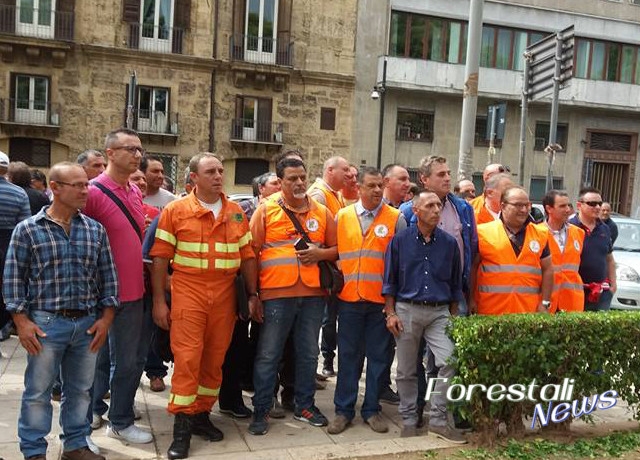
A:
165, 236
190, 262
204, 391
192, 247
279, 266
362, 256
181, 400
506, 283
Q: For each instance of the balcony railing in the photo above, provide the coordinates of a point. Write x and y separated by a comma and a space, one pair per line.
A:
34, 22
28, 112
261, 50
155, 122
157, 39
257, 131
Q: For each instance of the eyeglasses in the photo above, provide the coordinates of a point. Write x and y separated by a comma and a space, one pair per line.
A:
132, 149
593, 204
76, 185
518, 205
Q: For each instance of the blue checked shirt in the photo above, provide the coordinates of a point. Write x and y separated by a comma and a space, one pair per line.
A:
47, 270
14, 205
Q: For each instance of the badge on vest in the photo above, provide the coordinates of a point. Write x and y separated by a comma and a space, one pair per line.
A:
576, 245
534, 246
312, 225
381, 230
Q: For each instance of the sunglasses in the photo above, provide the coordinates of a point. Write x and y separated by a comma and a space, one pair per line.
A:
593, 204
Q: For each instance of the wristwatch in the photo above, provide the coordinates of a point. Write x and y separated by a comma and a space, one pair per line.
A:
546, 304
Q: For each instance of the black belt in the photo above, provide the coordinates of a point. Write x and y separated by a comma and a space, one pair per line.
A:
424, 303
69, 313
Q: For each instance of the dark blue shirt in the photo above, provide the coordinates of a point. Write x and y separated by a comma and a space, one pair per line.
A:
420, 271
596, 247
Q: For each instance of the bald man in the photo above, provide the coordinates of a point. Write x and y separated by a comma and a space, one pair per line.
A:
489, 171
465, 189
493, 189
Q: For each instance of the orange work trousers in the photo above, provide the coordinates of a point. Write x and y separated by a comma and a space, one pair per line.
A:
203, 314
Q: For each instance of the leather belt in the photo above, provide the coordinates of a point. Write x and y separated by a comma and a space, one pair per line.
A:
424, 303
70, 313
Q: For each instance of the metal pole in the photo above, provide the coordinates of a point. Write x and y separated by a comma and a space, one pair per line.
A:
492, 135
382, 89
553, 123
523, 118
132, 97
470, 91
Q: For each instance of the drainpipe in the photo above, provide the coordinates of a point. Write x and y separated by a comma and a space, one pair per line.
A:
212, 101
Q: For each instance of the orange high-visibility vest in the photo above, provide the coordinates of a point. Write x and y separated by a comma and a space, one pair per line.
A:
482, 214
279, 266
334, 200
200, 242
506, 283
477, 203
362, 256
568, 290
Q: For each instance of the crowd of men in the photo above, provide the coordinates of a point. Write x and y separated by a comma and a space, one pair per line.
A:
93, 277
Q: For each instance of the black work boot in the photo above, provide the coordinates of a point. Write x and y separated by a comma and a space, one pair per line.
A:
181, 437
202, 426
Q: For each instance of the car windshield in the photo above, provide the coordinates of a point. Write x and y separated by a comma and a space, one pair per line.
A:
628, 237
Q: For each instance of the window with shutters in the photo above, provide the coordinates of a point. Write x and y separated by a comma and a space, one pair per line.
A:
610, 142
542, 136
262, 32
414, 126
253, 123
157, 25
34, 152
30, 99
153, 109
328, 118
48, 19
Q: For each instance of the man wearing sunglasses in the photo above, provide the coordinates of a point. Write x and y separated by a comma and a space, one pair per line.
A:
597, 267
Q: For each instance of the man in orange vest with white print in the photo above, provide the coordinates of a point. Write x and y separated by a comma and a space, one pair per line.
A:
364, 232
512, 271
566, 247
207, 238
290, 290
336, 173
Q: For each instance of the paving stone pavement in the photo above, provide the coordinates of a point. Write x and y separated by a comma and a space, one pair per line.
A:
287, 439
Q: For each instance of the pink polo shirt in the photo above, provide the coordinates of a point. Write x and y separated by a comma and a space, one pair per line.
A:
125, 243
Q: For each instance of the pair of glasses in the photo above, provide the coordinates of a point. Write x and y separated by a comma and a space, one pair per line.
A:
593, 204
132, 149
518, 205
76, 185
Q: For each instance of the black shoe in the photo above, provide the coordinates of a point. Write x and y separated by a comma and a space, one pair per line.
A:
287, 403
260, 423
202, 426
181, 437
239, 411
420, 412
387, 395
327, 368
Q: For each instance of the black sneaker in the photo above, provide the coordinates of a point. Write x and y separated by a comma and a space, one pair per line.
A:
239, 411
260, 424
387, 395
312, 416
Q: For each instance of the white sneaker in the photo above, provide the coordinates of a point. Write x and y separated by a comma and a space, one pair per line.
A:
132, 434
137, 415
92, 446
96, 422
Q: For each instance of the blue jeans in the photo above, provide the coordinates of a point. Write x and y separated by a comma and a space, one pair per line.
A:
65, 349
128, 347
304, 315
362, 333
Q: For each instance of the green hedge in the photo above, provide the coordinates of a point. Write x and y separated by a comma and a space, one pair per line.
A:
600, 351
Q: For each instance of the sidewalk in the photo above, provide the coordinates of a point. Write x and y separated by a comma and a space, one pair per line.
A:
287, 439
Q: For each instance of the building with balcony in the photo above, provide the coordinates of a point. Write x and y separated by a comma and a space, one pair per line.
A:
425, 45
243, 78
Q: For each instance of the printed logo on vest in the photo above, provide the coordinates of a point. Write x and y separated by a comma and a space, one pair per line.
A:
576, 244
534, 246
381, 230
312, 225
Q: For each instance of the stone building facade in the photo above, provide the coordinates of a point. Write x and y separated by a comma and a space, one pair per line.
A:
242, 78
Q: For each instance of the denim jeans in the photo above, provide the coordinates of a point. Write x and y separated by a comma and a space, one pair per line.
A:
304, 315
329, 328
128, 347
65, 349
363, 333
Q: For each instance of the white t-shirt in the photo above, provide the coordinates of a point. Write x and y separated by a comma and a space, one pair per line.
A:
215, 208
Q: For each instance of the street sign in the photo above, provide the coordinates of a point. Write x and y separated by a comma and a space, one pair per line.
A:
496, 120
543, 57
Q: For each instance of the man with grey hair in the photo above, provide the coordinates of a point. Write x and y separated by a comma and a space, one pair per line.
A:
493, 188
93, 162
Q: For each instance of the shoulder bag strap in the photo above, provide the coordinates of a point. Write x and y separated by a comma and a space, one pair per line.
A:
122, 207
294, 220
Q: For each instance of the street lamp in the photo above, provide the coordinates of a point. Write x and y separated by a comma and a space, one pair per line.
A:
378, 93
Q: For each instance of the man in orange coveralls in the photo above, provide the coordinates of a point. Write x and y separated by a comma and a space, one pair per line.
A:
208, 239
